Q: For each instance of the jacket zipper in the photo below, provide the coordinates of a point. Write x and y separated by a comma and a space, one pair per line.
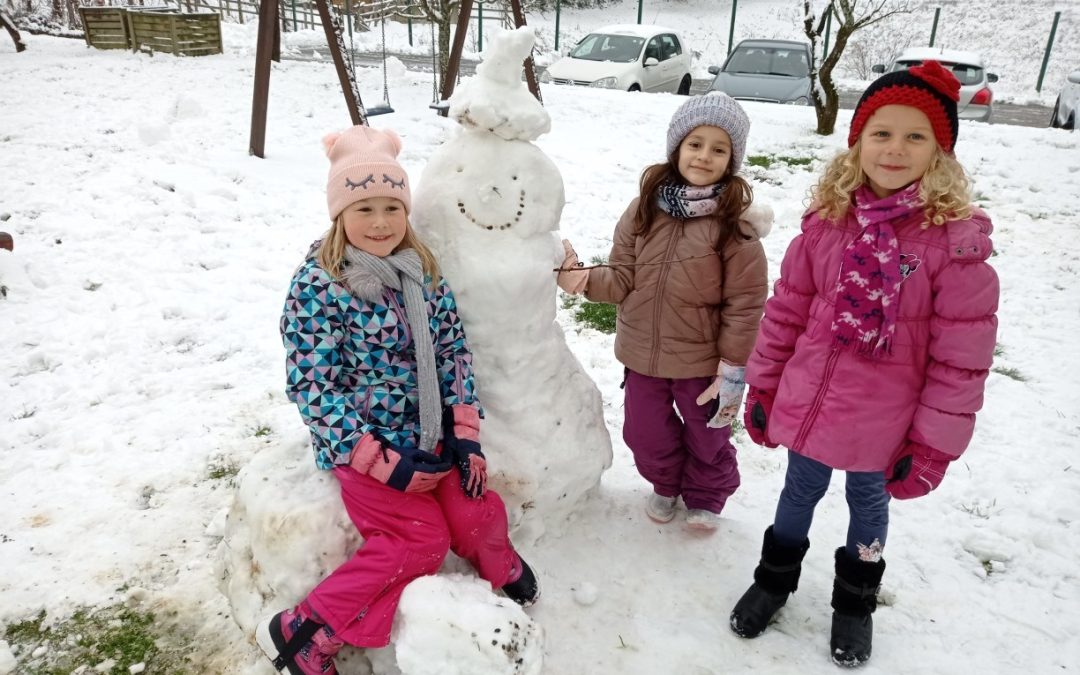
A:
808, 422
668, 254
400, 312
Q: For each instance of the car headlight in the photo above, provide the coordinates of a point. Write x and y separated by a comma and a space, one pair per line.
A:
802, 100
606, 83
545, 77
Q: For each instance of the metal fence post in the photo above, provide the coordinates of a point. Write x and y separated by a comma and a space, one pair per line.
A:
558, 8
1046, 56
639, 10
479, 26
731, 31
933, 30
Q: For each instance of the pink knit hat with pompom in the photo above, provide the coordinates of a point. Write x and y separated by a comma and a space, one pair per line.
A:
363, 164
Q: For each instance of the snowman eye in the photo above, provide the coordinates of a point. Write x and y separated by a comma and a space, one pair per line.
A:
514, 177
460, 169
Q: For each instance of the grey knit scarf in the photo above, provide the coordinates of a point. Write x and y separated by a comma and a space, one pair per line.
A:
365, 276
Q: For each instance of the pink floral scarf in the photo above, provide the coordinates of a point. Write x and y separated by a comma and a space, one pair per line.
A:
868, 289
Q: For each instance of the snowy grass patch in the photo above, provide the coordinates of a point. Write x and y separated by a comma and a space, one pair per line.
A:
109, 640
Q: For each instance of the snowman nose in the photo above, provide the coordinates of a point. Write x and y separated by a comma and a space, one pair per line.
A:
489, 192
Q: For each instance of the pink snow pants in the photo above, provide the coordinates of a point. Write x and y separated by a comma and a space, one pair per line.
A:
678, 452
406, 535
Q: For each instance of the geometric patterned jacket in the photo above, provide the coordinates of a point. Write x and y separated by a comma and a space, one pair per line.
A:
351, 364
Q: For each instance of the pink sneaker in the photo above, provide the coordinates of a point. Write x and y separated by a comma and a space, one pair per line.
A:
303, 646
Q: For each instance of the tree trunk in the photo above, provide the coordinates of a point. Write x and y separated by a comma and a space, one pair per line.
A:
445, 29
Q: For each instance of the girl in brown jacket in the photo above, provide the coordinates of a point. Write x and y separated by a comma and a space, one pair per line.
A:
688, 273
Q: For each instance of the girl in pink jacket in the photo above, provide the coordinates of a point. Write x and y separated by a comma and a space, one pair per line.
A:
875, 345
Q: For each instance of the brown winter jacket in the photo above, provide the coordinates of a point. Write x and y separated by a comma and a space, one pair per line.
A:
678, 319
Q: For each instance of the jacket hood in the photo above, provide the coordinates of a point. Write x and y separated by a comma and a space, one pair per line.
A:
756, 220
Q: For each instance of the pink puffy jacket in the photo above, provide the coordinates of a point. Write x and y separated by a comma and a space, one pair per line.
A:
854, 413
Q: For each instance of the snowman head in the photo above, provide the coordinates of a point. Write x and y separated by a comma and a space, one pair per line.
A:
496, 100
483, 186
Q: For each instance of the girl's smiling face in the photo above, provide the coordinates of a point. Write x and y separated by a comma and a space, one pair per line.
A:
704, 155
375, 225
896, 148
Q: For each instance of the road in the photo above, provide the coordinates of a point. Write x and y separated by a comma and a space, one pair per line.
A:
1004, 113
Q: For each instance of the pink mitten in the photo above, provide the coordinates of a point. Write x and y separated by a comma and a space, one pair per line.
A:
756, 415
916, 471
572, 281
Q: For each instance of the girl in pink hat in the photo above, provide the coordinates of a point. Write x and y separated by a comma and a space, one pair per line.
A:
378, 364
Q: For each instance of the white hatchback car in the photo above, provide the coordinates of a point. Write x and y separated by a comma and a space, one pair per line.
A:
976, 99
1067, 108
627, 57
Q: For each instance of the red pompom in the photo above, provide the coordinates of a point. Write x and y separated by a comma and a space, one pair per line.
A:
934, 74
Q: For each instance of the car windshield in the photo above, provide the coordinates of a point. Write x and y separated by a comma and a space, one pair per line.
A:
966, 73
602, 47
756, 60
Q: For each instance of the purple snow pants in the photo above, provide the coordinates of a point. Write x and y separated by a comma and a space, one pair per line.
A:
679, 456
406, 535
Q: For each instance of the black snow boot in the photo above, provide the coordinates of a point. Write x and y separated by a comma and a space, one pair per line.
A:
776, 577
854, 599
525, 590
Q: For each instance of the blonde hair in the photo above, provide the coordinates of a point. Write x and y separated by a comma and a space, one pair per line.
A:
332, 250
945, 189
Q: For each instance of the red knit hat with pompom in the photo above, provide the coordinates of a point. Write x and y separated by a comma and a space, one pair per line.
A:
928, 87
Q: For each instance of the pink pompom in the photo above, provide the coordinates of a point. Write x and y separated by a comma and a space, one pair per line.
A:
329, 140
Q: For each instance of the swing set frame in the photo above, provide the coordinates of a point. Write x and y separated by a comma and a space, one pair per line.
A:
269, 49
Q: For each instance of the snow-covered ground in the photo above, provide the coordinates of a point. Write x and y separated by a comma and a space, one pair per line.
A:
142, 366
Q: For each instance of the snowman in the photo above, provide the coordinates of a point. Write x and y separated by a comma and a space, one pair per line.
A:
489, 203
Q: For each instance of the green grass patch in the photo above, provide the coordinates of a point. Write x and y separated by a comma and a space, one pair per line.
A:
767, 161
219, 471
107, 640
261, 431
1009, 372
598, 315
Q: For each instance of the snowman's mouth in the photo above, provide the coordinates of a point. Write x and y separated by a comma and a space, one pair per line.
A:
492, 226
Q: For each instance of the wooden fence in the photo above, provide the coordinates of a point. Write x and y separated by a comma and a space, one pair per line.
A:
153, 29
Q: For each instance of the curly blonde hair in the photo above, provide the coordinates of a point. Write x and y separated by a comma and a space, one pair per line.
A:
332, 250
945, 188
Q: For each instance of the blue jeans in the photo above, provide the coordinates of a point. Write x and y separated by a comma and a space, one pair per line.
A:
805, 485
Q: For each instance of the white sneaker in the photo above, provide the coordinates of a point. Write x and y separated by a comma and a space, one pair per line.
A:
702, 520
660, 508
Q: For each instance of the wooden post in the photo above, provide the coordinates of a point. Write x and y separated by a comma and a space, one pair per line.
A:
263, 52
530, 69
9, 24
453, 64
332, 26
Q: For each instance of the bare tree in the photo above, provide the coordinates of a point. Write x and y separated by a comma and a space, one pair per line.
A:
850, 16
443, 13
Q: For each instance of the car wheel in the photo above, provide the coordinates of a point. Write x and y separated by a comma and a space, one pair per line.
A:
684, 86
634, 87
1054, 121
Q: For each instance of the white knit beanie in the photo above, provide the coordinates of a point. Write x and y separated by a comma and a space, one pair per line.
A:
715, 109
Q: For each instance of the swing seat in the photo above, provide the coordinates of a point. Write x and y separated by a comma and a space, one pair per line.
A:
442, 108
382, 109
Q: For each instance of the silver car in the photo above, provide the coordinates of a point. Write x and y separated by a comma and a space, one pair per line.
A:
1067, 108
775, 71
976, 98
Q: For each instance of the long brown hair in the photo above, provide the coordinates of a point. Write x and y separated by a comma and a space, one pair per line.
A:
332, 250
734, 199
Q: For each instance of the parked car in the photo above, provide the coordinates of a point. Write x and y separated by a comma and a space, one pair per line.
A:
976, 98
627, 57
1068, 103
776, 71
